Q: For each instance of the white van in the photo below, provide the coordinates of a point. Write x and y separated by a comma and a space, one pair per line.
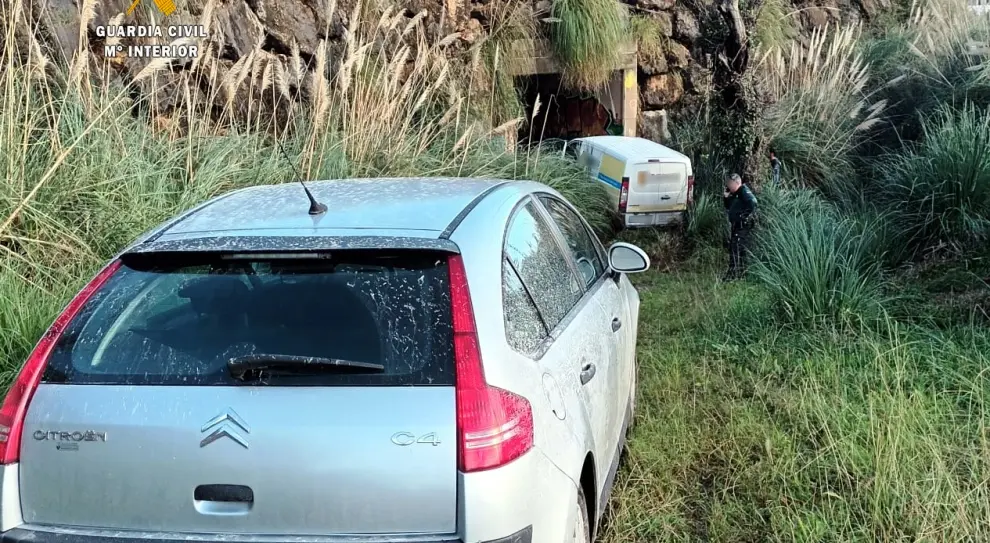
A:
650, 185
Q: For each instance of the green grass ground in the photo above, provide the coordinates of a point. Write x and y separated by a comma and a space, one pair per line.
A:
750, 431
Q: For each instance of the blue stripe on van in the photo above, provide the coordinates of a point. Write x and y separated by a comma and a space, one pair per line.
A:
609, 181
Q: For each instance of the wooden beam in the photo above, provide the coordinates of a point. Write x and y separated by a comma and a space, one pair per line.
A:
630, 101
530, 57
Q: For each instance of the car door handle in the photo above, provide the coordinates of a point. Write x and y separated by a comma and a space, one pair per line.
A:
665, 197
616, 324
587, 372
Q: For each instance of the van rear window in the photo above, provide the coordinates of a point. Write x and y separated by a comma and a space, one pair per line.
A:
178, 319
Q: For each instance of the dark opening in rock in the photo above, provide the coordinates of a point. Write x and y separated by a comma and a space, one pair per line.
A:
563, 114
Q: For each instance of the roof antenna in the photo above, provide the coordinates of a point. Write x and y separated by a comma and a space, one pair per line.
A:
315, 208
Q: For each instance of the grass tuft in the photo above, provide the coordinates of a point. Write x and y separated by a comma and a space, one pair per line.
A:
706, 222
774, 25
817, 266
585, 36
940, 187
649, 36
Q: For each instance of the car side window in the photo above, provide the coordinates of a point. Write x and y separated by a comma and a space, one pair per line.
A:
524, 328
532, 248
579, 239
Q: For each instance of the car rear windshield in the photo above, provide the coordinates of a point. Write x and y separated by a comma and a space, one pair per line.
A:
178, 319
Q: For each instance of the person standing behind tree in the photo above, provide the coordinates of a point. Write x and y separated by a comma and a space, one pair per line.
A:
775, 168
740, 205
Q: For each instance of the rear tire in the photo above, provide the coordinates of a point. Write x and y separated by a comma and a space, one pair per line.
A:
582, 527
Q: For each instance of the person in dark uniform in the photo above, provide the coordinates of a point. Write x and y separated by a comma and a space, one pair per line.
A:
740, 205
775, 167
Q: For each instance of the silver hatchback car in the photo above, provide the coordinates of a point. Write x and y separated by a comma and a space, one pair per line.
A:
428, 360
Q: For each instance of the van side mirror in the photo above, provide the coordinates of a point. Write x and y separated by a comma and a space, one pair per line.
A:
627, 258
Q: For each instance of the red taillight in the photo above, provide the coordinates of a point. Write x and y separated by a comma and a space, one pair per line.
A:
624, 195
494, 426
690, 194
19, 396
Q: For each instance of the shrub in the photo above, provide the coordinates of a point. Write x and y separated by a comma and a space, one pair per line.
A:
816, 265
774, 25
940, 187
927, 63
512, 22
696, 136
821, 110
883, 231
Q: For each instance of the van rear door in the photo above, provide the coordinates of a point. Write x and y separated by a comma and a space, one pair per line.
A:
658, 186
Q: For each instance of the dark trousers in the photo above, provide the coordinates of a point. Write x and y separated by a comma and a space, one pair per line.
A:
738, 244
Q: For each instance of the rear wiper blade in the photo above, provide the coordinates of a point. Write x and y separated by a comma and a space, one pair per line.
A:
243, 366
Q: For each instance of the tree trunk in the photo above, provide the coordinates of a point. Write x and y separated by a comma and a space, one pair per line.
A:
733, 63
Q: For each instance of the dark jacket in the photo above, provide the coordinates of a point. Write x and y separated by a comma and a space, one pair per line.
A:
740, 205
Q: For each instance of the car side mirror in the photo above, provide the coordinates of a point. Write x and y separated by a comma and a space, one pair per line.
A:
627, 258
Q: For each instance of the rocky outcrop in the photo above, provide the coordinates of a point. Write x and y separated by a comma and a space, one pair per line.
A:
675, 81
292, 30
242, 24
662, 91
277, 40
653, 126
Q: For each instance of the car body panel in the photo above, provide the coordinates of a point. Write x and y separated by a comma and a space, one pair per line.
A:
528, 481
658, 186
584, 344
610, 300
537, 490
292, 438
564, 442
33, 533
586, 408
10, 497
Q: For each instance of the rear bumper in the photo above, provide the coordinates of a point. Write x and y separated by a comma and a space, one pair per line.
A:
530, 491
56, 535
640, 220
37, 535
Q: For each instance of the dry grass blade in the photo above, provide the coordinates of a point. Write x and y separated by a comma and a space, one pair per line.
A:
507, 127
414, 23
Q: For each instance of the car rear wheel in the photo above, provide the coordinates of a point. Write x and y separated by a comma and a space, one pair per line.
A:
582, 528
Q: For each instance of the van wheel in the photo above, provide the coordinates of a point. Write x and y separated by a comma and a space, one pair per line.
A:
582, 528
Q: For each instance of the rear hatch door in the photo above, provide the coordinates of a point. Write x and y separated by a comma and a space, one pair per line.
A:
140, 424
658, 186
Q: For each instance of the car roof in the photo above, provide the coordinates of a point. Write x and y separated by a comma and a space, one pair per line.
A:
627, 148
420, 204
405, 212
